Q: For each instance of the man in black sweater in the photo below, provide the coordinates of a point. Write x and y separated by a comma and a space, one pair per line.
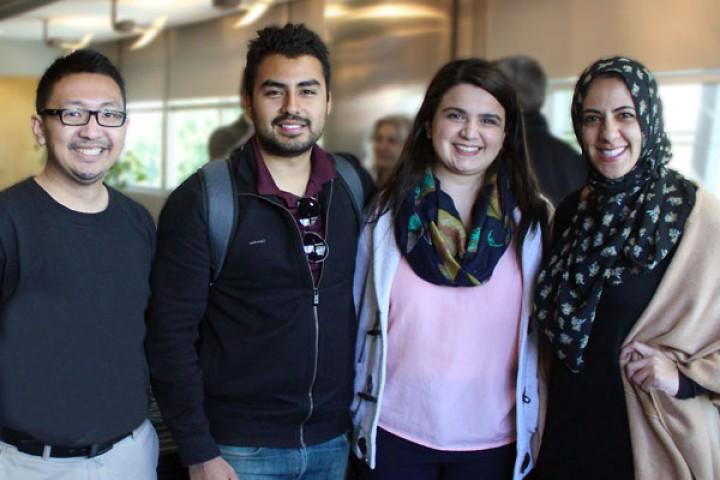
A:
559, 169
75, 258
253, 369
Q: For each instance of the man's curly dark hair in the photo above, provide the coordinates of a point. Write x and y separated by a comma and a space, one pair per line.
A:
292, 41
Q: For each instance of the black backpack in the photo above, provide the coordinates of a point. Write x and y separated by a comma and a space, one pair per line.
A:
220, 193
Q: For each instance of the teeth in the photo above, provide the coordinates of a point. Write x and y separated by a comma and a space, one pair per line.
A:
90, 151
614, 152
465, 148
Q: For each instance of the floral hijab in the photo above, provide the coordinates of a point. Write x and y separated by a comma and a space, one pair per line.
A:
621, 227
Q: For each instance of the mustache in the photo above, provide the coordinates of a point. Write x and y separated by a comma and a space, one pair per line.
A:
105, 145
295, 118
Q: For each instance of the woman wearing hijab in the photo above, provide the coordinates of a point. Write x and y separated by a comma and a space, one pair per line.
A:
627, 299
446, 373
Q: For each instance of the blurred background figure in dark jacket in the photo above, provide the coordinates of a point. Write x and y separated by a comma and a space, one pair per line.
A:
559, 168
227, 138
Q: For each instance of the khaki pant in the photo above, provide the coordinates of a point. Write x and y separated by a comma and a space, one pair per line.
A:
133, 458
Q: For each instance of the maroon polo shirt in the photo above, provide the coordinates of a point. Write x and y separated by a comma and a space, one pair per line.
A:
322, 171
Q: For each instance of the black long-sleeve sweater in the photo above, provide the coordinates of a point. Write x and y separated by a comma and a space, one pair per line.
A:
74, 288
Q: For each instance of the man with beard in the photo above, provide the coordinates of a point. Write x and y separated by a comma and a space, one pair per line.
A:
75, 258
253, 368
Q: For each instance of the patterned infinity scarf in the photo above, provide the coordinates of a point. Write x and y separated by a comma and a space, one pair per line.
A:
433, 239
621, 228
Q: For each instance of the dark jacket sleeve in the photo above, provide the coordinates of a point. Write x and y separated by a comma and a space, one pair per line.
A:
7, 281
369, 186
2, 269
688, 388
180, 279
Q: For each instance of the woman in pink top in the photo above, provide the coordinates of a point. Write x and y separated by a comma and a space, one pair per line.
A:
446, 374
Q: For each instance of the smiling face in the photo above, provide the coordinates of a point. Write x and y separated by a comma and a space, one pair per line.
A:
467, 131
81, 154
611, 134
289, 104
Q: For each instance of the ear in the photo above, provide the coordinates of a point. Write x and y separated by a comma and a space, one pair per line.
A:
329, 103
428, 130
36, 123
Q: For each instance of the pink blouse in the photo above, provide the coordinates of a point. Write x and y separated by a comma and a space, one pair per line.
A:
452, 359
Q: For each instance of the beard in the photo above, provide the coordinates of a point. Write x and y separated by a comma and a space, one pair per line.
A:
270, 142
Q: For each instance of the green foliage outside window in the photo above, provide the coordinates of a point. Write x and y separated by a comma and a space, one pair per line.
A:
153, 161
126, 171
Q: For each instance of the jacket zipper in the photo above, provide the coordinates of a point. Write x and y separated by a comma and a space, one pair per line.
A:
316, 303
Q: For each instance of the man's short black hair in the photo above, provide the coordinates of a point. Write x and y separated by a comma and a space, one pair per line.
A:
79, 61
292, 41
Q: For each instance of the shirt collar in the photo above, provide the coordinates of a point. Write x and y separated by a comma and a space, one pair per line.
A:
322, 171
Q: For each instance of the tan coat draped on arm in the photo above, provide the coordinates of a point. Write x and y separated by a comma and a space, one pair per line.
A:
678, 439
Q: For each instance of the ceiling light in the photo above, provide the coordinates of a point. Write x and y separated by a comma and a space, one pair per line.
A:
382, 12
253, 14
334, 11
147, 33
64, 43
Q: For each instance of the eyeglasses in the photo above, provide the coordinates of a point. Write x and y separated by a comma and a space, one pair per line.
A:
76, 117
315, 246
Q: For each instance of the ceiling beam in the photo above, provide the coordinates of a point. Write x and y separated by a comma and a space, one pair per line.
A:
11, 8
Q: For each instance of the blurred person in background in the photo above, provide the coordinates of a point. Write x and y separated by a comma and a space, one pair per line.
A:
446, 380
558, 167
388, 138
227, 138
627, 300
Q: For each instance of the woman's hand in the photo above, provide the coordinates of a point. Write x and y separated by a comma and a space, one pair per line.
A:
655, 370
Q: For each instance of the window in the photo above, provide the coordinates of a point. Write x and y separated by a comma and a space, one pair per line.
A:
167, 141
189, 128
142, 157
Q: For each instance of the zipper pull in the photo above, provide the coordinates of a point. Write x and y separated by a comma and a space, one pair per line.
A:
316, 297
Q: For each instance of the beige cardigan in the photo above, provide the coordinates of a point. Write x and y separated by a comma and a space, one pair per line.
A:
677, 439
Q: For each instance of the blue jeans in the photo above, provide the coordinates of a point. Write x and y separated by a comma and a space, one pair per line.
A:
324, 461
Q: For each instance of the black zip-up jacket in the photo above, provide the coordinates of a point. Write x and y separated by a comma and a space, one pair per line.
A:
262, 358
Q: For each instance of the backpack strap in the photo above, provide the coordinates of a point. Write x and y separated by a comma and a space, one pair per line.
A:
220, 194
350, 177
219, 189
